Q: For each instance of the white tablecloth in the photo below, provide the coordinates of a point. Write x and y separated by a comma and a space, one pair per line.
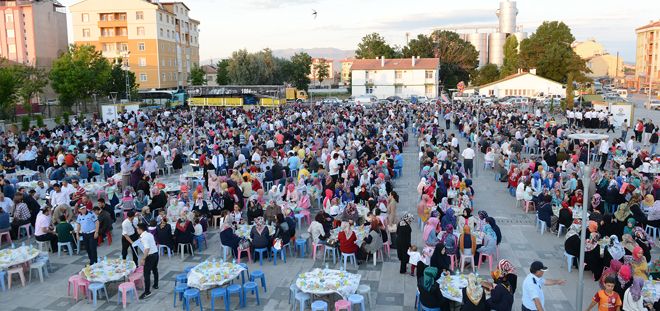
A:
328, 281
452, 286
16, 256
210, 274
651, 291
108, 271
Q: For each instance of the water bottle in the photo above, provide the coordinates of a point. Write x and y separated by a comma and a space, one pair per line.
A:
233, 261
98, 259
105, 258
326, 266
22, 244
12, 245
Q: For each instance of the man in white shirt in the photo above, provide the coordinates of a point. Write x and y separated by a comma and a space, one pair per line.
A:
218, 161
150, 167
58, 197
149, 260
468, 158
129, 235
334, 167
6, 204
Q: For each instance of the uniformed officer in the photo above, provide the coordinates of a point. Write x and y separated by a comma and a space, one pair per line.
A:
88, 226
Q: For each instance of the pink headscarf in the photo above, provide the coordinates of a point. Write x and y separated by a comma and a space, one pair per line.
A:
431, 226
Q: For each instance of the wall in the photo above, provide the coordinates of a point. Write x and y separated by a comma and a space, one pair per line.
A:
605, 65
412, 82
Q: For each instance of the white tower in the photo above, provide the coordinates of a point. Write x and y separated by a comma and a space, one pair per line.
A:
507, 15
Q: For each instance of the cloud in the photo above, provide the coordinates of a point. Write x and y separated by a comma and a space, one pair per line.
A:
446, 19
273, 4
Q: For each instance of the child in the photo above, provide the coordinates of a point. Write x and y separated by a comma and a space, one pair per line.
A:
199, 234
607, 299
415, 257
236, 214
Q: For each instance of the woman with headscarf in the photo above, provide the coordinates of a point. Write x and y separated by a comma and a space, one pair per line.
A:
373, 242
327, 200
403, 233
184, 232
424, 207
429, 289
448, 219
229, 238
623, 279
572, 240
632, 299
141, 200
450, 241
501, 295
291, 194
260, 234
429, 235
482, 216
158, 199
347, 239
466, 219
636, 209
592, 257
607, 226
164, 234
440, 259
199, 204
508, 272
489, 243
644, 241
392, 201
254, 210
638, 263
474, 298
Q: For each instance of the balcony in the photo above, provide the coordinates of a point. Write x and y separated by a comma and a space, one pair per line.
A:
113, 39
112, 24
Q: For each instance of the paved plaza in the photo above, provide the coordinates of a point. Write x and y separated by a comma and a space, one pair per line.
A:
521, 244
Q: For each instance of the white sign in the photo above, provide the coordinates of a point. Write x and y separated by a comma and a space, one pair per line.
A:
621, 112
131, 108
109, 113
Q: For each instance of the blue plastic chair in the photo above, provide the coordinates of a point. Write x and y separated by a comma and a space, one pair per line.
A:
234, 289
96, 289
192, 294
293, 290
217, 293
319, 306
301, 244
282, 253
247, 269
258, 274
301, 299
299, 218
188, 269
179, 289
332, 251
3, 274
261, 252
356, 299
428, 309
181, 278
250, 287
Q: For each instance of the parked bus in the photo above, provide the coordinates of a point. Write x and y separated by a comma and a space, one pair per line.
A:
172, 98
237, 95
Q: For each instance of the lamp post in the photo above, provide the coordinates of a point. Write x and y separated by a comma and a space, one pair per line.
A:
586, 181
126, 67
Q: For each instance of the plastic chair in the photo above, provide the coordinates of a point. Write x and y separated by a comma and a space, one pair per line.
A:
226, 250
6, 235
293, 290
652, 231
27, 228
465, 258
299, 218
250, 287
192, 294
561, 227
375, 256
77, 281
332, 251
247, 251
490, 261
123, 292
43, 246
363, 290
569, 261
182, 249
314, 248
179, 289
452, 259
137, 278
387, 247
282, 253
529, 205
15, 270
261, 252
234, 289
258, 274
65, 244
319, 305
162, 249
95, 289
181, 279
346, 256
342, 305
219, 292
357, 299
301, 244
540, 224
39, 266
301, 299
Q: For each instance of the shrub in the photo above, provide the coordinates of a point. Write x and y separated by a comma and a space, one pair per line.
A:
25, 123
40, 121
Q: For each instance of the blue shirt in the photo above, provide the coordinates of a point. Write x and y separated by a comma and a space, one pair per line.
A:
532, 288
87, 222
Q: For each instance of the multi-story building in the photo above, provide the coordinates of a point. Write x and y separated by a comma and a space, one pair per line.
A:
32, 32
402, 77
598, 60
346, 71
158, 39
646, 59
313, 69
210, 74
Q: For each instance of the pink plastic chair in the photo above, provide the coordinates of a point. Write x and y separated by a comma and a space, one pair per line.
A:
342, 305
490, 261
137, 278
314, 247
247, 250
125, 288
78, 282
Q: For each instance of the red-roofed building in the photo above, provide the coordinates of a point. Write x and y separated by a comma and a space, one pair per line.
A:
646, 59
402, 77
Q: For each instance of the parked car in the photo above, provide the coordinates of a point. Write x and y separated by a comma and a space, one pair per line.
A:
654, 104
366, 101
331, 101
519, 101
392, 99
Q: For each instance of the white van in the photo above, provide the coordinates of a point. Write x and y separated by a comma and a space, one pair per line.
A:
366, 100
622, 92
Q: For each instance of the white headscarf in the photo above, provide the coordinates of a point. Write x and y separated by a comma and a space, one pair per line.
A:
615, 248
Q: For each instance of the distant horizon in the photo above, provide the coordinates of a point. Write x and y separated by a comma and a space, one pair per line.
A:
340, 24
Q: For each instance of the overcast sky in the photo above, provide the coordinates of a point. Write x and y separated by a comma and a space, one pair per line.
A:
228, 25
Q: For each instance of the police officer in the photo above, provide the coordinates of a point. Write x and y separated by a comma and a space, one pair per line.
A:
88, 225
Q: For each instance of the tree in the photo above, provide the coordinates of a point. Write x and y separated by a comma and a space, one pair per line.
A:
32, 82
117, 81
222, 78
458, 58
421, 46
374, 45
197, 76
486, 74
570, 96
511, 59
300, 68
79, 73
549, 51
321, 69
9, 88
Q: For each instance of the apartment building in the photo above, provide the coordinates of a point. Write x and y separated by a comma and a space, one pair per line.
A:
646, 59
402, 77
313, 72
158, 40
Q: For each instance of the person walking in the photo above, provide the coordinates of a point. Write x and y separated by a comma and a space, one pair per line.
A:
624, 129
129, 235
403, 232
149, 260
468, 159
532, 296
88, 225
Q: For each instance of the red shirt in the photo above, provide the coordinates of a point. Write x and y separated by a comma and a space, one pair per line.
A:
607, 302
347, 245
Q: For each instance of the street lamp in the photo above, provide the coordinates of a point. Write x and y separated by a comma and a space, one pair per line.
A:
586, 181
126, 67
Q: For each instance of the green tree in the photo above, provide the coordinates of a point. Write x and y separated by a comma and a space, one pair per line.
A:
197, 76
458, 58
511, 59
117, 81
422, 46
32, 82
222, 78
79, 73
283, 71
322, 70
9, 90
570, 96
374, 45
300, 69
486, 74
549, 51
250, 68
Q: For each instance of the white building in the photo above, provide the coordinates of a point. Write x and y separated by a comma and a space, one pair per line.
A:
521, 84
400, 76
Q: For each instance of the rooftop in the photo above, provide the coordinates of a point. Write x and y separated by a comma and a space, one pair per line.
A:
395, 64
652, 24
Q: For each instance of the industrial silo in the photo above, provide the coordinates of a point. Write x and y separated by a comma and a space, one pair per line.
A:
480, 43
496, 48
507, 16
520, 36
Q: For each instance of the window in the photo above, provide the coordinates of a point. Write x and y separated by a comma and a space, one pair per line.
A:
370, 89
428, 89
398, 89
85, 17
162, 33
366, 76
9, 18
140, 31
143, 77
160, 16
142, 62
85, 33
167, 18
12, 48
123, 47
122, 17
168, 33
164, 77
398, 74
429, 74
123, 32
141, 46
108, 47
10, 33
139, 15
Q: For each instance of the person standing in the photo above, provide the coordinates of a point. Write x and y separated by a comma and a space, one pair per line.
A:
468, 159
150, 259
403, 232
532, 296
624, 129
129, 235
604, 150
88, 225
